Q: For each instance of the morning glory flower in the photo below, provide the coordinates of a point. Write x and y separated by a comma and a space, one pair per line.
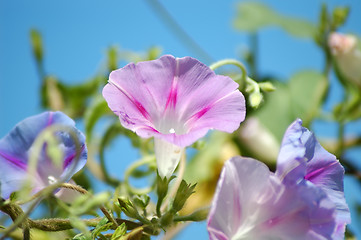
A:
303, 199
17, 145
174, 100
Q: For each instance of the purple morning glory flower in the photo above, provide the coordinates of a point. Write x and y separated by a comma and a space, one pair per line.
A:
302, 200
16, 147
175, 100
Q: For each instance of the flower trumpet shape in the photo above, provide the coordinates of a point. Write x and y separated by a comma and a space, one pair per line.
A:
303, 199
175, 100
17, 147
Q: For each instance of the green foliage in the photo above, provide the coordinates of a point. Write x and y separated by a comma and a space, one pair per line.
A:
162, 190
201, 166
339, 17
86, 204
141, 201
301, 97
253, 16
119, 232
96, 110
37, 45
102, 226
80, 225
184, 192
129, 209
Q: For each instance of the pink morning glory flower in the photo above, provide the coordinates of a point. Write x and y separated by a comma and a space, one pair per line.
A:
303, 200
16, 147
175, 100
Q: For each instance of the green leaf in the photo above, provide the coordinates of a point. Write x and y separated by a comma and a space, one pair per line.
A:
299, 98
154, 53
86, 203
37, 45
253, 16
71, 99
135, 234
297, 27
201, 166
307, 91
81, 236
80, 225
184, 192
76, 97
102, 226
119, 232
112, 58
339, 16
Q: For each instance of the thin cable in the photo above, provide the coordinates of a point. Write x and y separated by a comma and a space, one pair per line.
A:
177, 29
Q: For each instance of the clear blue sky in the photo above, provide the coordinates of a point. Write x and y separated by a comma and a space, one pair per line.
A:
76, 35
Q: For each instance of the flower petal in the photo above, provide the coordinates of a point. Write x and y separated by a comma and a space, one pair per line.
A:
303, 158
168, 156
240, 185
16, 147
326, 172
252, 203
291, 157
176, 99
295, 212
12, 177
138, 92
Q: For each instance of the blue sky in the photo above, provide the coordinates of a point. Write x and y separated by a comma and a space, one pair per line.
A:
76, 35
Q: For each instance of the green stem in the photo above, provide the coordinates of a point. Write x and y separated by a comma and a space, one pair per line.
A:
19, 217
131, 169
173, 192
197, 216
114, 128
237, 63
83, 191
254, 84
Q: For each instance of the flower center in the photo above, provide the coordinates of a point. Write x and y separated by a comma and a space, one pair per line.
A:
170, 124
52, 180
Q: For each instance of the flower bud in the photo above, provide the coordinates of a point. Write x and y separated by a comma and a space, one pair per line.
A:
37, 45
267, 86
184, 192
347, 57
255, 99
128, 208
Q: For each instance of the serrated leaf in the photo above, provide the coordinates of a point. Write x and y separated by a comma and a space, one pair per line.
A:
80, 236
253, 16
102, 226
184, 192
119, 232
135, 234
